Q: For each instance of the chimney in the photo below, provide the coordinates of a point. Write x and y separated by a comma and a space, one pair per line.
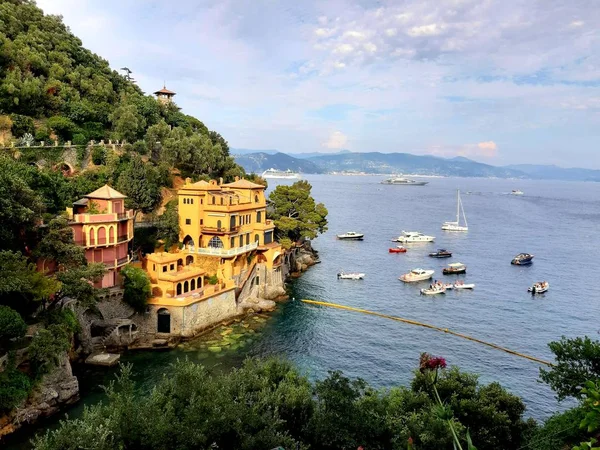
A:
220, 181
237, 178
188, 181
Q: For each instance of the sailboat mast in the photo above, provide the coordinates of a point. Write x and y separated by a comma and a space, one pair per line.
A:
457, 206
463, 211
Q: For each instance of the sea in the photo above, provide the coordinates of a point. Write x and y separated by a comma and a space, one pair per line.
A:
556, 221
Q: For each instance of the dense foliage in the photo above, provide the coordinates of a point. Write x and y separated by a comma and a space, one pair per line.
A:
268, 404
295, 212
577, 361
12, 325
136, 285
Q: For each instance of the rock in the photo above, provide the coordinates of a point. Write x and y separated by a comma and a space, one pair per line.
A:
159, 342
273, 292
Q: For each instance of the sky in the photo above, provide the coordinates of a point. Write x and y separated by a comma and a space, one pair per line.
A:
501, 82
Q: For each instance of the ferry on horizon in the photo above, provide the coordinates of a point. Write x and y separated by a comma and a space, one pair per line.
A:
275, 173
399, 181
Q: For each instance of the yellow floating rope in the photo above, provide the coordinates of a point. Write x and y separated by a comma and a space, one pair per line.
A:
426, 325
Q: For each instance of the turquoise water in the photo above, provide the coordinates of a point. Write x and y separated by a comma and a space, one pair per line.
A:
556, 221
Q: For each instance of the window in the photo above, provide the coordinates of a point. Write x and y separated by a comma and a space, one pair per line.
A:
215, 242
154, 267
186, 287
218, 224
192, 201
268, 237
188, 221
241, 241
259, 216
232, 242
248, 239
201, 221
214, 200
256, 238
192, 285
256, 199
201, 201
164, 268
221, 200
172, 267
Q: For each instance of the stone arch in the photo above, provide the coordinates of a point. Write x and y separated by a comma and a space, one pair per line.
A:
178, 289
111, 234
91, 232
66, 168
189, 259
188, 241
101, 233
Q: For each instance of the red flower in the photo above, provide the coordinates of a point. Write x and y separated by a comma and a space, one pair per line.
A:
428, 362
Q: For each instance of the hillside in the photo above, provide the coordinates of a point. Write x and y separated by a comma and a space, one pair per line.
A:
549, 172
406, 163
259, 162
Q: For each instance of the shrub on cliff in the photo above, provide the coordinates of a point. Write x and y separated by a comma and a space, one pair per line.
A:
47, 347
12, 325
136, 285
14, 388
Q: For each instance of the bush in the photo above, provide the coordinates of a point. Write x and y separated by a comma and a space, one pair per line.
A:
137, 288
62, 126
140, 147
47, 347
21, 125
43, 135
80, 139
213, 279
98, 155
12, 325
94, 130
15, 387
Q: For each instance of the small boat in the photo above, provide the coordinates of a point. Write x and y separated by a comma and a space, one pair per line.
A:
522, 259
398, 249
434, 289
462, 285
398, 181
516, 192
351, 236
454, 268
456, 226
409, 237
539, 288
350, 275
417, 275
441, 253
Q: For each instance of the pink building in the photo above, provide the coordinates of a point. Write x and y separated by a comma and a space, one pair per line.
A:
101, 224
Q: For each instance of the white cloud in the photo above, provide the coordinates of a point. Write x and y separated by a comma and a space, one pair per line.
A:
485, 150
577, 23
336, 140
425, 30
488, 149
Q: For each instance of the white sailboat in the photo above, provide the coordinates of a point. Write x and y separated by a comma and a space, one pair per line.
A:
456, 226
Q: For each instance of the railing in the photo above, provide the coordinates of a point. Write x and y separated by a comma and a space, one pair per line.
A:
122, 261
121, 216
221, 230
226, 252
122, 238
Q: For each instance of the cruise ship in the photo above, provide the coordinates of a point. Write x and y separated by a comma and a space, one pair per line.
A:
404, 182
274, 173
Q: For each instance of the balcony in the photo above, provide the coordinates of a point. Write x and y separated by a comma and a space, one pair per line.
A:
122, 238
223, 252
123, 261
101, 242
219, 231
101, 218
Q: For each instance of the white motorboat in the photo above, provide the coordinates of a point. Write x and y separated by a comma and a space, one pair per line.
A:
456, 226
539, 288
285, 174
409, 237
516, 192
434, 289
350, 275
351, 236
462, 285
399, 181
417, 275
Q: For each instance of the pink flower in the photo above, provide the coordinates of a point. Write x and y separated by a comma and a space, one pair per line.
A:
428, 362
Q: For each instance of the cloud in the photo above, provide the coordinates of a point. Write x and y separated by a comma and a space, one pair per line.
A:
487, 149
337, 140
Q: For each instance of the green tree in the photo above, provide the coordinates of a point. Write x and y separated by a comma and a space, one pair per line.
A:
21, 125
12, 325
14, 387
57, 245
78, 283
295, 212
62, 126
127, 123
98, 155
577, 361
139, 182
168, 225
5, 127
21, 283
136, 286
47, 347
20, 206
216, 138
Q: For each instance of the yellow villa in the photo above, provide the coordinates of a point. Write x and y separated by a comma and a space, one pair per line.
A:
228, 253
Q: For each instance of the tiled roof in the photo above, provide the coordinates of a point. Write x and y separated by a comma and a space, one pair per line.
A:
243, 184
105, 193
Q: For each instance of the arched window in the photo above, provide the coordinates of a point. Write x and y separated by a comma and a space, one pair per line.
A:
214, 200
221, 200
259, 216
178, 288
232, 242
256, 199
256, 238
186, 287
189, 259
188, 241
163, 324
199, 282
215, 242
218, 224
192, 285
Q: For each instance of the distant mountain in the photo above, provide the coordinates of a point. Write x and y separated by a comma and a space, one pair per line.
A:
259, 162
313, 154
556, 173
414, 164
248, 151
